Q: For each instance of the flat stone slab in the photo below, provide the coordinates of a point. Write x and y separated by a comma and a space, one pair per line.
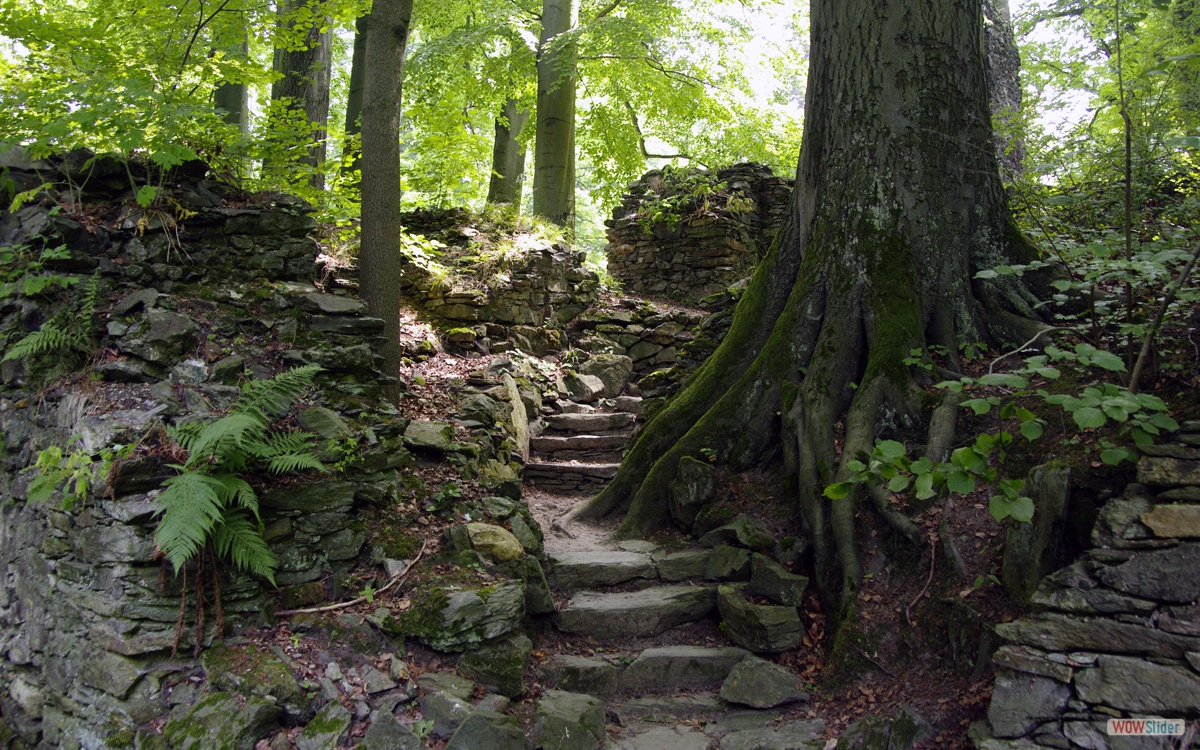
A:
636, 613
554, 469
1167, 472
758, 627
333, 304
665, 738
1055, 632
665, 708
680, 566
553, 443
580, 673
588, 569
681, 666
1174, 521
759, 683
794, 735
589, 422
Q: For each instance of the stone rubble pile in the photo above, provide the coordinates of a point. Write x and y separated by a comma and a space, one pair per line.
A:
1117, 633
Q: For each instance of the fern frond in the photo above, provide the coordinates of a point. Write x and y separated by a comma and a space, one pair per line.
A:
185, 433
241, 541
281, 443
294, 462
234, 491
224, 440
190, 508
273, 398
51, 337
87, 304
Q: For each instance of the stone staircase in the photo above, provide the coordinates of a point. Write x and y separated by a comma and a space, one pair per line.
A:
577, 453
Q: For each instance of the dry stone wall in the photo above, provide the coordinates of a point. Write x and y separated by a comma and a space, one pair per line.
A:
1116, 633
687, 234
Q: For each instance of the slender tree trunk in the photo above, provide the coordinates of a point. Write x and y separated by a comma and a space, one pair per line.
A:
508, 155
554, 142
354, 97
379, 258
1003, 62
231, 97
304, 82
898, 203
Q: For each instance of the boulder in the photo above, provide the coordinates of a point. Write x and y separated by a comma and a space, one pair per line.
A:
161, 338
487, 729
758, 627
680, 566
691, 490
495, 543
1020, 702
591, 673
229, 369
1031, 548
217, 722
568, 721
252, 670
446, 711
328, 730
332, 304
326, 424
681, 667
759, 683
613, 370
385, 733
868, 733
585, 388
431, 436
728, 563
743, 531
446, 682
768, 578
471, 617
499, 664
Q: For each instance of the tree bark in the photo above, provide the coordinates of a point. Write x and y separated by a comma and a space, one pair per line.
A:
554, 142
379, 258
231, 97
898, 203
304, 83
508, 155
354, 97
1003, 62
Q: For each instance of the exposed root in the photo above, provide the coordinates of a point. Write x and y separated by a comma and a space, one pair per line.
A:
899, 522
563, 522
949, 548
929, 580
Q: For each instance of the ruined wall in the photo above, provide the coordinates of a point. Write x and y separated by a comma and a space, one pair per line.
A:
687, 234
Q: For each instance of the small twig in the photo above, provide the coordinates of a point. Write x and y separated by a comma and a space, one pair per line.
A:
868, 658
396, 579
932, 565
1028, 343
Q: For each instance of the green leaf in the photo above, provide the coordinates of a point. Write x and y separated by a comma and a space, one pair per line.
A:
838, 491
1114, 456
1108, 361
856, 466
1162, 421
890, 449
978, 405
899, 483
1089, 416
961, 482
924, 486
1022, 510
1031, 430
1116, 412
146, 195
921, 466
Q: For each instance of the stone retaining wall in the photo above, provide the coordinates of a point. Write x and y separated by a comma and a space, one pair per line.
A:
1117, 633
684, 235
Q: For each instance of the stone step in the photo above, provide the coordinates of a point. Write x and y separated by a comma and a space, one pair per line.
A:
589, 423
661, 668
556, 469
591, 568
556, 443
635, 614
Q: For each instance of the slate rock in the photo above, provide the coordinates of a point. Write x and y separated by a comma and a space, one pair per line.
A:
252, 670
579, 673
530, 540
386, 733
681, 666
1119, 522
217, 722
758, 627
1020, 702
588, 422
487, 729
471, 617
568, 721
1181, 494
142, 299
446, 711
374, 681
499, 664
1140, 686
495, 543
728, 563
743, 531
868, 733
791, 735
1174, 521
433, 436
332, 304
538, 599
768, 578
1168, 472
587, 569
691, 490
314, 497
446, 682
759, 683
664, 738
635, 613
130, 370
328, 730
585, 388
326, 424
346, 325
909, 729
161, 338
613, 370
519, 416
1182, 620
680, 566
1163, 575
1031, 548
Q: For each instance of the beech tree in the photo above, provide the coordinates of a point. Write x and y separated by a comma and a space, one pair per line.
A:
508, 155
379, 258
554, 141
303, 63
898, 204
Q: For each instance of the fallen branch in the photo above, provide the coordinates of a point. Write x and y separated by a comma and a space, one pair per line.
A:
929, 580
864, 655
1028, 343
396, 579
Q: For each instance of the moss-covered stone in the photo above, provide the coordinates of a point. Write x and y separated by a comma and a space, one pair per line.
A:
216, 722
499, 664
328, 730
252, 670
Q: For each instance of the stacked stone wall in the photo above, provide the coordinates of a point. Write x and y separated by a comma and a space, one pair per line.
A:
685, 235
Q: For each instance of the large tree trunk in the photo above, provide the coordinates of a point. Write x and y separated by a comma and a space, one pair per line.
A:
554, 140
1003, 63
231, 97
304, 71
898, 203
508, 155
379, 259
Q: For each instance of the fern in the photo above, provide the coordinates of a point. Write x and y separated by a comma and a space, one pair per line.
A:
67, 330
209, 501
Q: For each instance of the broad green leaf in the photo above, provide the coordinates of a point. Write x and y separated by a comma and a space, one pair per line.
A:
961, 482
838, 491
1031, 430
1164, 422
899, 483
856, 466
890, 449
924, 486
1089, 416
921, 466
1022, 510
1116, 411
1114, 456
978, 405
1108, 361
